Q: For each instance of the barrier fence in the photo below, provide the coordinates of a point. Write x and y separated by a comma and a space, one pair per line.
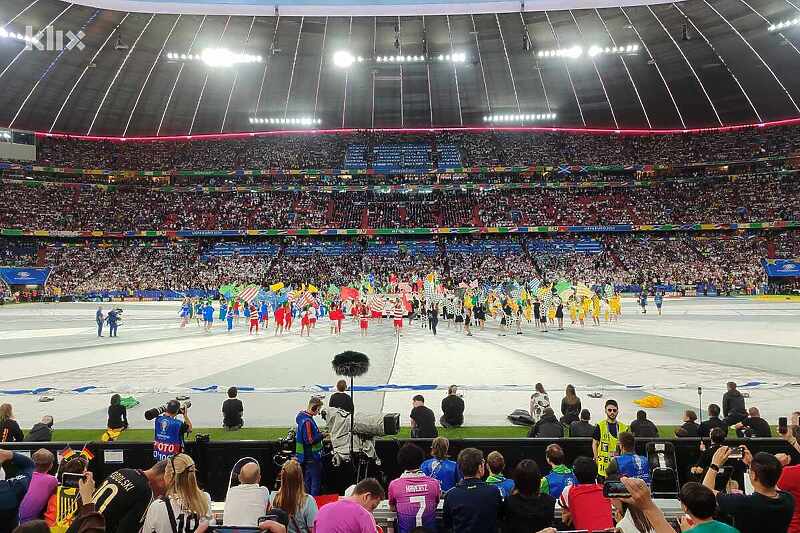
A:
216, 459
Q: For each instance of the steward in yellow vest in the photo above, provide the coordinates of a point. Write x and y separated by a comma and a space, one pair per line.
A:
604, 442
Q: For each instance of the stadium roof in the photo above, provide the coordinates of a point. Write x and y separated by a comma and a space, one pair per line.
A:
700, 63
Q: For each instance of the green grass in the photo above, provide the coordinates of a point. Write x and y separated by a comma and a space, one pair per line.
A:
274, 433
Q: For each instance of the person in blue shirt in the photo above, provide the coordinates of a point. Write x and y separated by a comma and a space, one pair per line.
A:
308, 446
12, 490
113, 322
229, 319
497, 464
472, 506
659, 300
98, 316
440, 467
208, 316
223, 309
628, 463
560, 475
170, 432
198, 312
643, 300
186, 312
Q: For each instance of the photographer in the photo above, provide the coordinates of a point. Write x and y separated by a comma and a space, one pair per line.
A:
170, 432
113, 319
767, 509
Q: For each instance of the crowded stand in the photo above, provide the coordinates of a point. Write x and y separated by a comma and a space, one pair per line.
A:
436, 149
727, 261
694, 201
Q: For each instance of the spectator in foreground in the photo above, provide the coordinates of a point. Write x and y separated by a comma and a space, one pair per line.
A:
700, 506
547, 426
9, 429
185, 500
340, 399
642, 427
423, 421
628, 463
13, 490
650, 517
584, 506
351, 514
248, 501
41, 431
414, 496
754, 425
472, 506
690, 425
41, 487
497, 465
767, 508
527, 508
452, 409
560, 475
232, 411
125, 495
790, 479
733, 408
117, 419
582, 428
441, 468
713, 421
87, 518
62, 507
570, 406
300, 507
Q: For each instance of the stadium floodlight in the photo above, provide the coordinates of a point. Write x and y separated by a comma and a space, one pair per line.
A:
343, 59
522, 117
784, 24
305, 121
594, 50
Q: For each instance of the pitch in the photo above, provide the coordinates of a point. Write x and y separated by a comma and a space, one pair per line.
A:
697, 342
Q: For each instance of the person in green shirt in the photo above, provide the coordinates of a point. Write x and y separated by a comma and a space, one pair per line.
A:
699, 503
560, 475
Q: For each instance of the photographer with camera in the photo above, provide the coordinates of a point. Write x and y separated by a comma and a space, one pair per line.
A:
768, 508
169, 430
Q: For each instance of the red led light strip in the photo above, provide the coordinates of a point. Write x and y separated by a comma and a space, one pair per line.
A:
476, 129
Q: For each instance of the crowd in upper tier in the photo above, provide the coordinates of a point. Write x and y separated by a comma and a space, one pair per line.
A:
756, 198
722, 260
296, 151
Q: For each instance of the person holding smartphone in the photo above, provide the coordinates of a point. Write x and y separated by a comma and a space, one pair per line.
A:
767, 508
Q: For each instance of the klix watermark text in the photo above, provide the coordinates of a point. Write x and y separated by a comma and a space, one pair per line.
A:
52, 40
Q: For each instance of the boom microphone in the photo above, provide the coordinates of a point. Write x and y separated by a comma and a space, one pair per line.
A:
350, 364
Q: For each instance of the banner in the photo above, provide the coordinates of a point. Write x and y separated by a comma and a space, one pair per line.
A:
24, 276
612, 228
781, 268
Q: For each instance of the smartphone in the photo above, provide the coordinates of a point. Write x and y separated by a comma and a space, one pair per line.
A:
615, 489
783, 425
736, 453
70, 480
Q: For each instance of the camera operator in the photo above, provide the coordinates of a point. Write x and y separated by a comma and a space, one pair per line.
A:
308, 446
170, 431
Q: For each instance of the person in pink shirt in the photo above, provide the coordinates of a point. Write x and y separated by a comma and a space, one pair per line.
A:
351, 514
40, 489
414, 496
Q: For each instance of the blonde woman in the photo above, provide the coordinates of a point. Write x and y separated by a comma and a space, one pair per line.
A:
9, 429
292, 498
190, 506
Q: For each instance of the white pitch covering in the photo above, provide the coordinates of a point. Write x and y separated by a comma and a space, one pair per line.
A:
696, 342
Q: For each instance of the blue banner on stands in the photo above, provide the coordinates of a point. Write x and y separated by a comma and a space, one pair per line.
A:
781, 268
24, 276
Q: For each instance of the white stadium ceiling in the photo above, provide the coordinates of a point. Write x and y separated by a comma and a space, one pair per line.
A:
352, 8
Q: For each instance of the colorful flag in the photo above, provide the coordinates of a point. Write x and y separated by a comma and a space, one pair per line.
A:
248, 293
348, 293
275, 287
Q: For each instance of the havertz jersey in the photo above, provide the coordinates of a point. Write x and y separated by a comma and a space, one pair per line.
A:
415, 496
